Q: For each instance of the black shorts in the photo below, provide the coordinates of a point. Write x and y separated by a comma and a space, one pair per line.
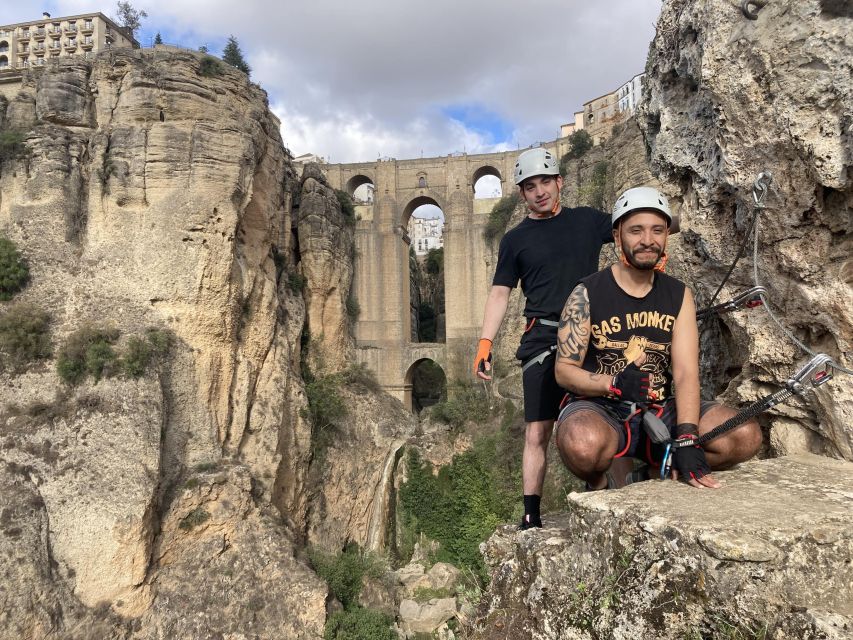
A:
633, 441
542, 394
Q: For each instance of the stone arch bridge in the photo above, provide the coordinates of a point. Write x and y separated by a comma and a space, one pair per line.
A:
381, 283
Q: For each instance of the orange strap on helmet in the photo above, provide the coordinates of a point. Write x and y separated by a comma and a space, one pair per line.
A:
484, 355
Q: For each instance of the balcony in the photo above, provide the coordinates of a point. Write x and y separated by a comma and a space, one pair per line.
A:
71, 29
24, 64
25, 35
39, 34
54, 32
38, 47
88, 27
54, 46
70, 45
5, 33
87, 43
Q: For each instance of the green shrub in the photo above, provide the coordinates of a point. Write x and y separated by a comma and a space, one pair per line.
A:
359, 624
14, 273
353, 308
326, 411
194, 518
88, 351
344, 572
359, 375
12, 144
24, 335
347, 206
461, 506
499, 216
591, 192
466, 403
209, 67
579, 143
142, 352
296, 282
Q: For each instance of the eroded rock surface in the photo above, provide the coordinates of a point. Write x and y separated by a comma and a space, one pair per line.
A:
768, 552
728, 98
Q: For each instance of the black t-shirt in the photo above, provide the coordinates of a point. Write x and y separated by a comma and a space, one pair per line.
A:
622, 327
550, 256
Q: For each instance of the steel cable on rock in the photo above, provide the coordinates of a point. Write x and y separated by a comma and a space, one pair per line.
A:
772, 315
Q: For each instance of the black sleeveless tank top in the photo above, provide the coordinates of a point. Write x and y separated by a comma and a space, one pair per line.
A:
623, 327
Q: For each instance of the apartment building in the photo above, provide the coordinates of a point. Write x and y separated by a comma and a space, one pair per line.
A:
32, 44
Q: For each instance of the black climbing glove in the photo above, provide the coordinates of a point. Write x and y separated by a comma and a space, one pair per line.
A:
632, 385
689, 458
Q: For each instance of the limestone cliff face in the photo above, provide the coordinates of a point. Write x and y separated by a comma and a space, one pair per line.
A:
157, 196
728, 98
326, 251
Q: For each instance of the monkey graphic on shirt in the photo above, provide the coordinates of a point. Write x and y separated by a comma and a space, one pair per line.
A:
612, 356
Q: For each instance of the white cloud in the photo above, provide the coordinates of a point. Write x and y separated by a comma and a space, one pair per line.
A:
353, 80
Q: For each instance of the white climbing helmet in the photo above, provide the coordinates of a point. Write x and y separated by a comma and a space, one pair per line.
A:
641, 198
535, 162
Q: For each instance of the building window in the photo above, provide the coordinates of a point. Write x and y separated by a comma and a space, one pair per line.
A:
422, 182
4, 62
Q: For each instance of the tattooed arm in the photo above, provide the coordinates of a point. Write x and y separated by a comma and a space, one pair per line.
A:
572, 343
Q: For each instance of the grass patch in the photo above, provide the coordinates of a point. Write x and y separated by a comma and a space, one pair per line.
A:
296, 282
499, 216
14, 272
24, 336
425, 594
359, 624
194, 518
13, 145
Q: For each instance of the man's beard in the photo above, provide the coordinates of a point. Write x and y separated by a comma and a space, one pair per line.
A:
644, 266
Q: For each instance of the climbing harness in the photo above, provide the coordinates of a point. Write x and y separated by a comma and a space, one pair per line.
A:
748, 11
816, 372
538, 359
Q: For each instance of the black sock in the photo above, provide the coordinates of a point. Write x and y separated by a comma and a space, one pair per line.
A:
531, 506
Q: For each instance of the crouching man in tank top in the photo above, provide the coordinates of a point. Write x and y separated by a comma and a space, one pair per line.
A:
626, 334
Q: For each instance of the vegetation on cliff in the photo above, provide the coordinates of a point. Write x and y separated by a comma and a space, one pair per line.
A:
499, 217
14, 272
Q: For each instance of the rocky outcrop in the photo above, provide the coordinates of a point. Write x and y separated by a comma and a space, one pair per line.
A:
728, 98
762, 557
156, 196
326, 251
353, 476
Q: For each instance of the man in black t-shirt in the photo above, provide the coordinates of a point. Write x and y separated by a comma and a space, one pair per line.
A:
549, 251
627, 333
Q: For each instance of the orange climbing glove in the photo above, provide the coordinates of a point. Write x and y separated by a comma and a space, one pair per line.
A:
484, 355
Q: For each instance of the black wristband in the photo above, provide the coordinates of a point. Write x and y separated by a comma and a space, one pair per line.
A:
686, 428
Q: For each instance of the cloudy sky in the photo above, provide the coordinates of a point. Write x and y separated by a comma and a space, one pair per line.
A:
353, 81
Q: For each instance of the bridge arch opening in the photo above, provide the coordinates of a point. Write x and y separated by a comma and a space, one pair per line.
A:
486, 183
425, 229
361, 188
427, 383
